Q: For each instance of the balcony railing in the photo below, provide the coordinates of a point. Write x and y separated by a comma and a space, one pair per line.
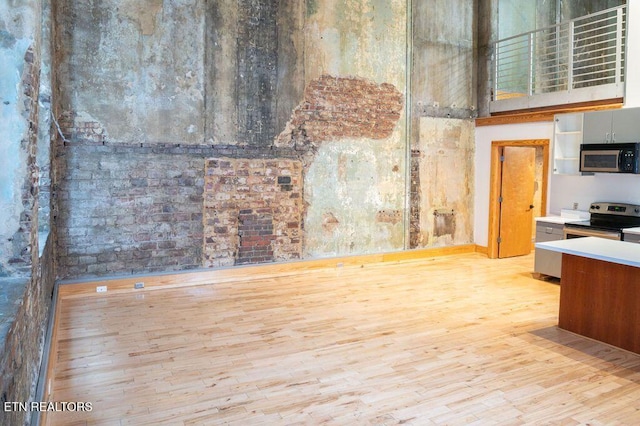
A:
575, 61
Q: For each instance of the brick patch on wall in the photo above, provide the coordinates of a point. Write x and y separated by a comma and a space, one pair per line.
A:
252, 211
77, 127
255, 229
343, 107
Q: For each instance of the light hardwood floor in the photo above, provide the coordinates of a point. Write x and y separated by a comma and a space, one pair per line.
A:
454, 340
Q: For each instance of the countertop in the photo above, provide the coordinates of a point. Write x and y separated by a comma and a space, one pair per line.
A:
621, 252
566, 215
556, 219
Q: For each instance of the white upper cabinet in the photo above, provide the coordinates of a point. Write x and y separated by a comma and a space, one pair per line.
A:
619, 125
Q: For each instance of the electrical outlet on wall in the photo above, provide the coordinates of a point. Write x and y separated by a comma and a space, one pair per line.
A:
138, 285
101, 289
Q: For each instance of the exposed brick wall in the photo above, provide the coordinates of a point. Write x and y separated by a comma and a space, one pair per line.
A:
252, 193
343, 107
22, 341
126, 210
131, 208
25, 301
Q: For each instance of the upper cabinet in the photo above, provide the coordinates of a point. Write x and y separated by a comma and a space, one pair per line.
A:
619, 125
566, 143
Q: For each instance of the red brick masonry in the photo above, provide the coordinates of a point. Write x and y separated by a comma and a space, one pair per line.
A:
343, 107
252, 211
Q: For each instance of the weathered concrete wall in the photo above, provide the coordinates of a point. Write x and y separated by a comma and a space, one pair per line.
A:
571, 9
487, 34
355, 184
443, 93
132, 71
322, 82
443, 79
254, 69
249, 63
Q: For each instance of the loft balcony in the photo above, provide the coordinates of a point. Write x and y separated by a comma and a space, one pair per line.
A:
581, 60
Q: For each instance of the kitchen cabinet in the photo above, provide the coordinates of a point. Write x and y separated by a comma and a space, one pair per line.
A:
631, 237
548, 262
567, 138
599, 297
609, 126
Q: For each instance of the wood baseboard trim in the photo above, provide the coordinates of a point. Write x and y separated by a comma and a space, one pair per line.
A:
482, 249
230, 274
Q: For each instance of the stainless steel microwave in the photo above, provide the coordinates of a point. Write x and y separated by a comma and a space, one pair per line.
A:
610, 157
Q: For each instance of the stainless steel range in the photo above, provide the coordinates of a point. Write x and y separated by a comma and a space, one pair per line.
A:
607, 221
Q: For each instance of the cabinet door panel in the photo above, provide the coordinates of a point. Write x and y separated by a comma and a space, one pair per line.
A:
626, 125
596, 127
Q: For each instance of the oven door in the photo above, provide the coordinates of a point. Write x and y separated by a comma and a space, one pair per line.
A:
570, 232
605, 160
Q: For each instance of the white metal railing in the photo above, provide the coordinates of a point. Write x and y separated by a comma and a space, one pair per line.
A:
582, 53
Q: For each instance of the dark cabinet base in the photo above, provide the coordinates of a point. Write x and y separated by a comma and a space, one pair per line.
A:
601, 300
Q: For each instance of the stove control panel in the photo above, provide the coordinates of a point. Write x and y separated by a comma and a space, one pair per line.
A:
620, 209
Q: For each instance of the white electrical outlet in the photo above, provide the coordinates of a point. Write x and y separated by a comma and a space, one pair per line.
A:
101, 289
138, 285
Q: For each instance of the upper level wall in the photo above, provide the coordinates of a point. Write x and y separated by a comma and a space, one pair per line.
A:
443, 79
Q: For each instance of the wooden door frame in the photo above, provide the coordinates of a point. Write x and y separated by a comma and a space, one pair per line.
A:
496, 179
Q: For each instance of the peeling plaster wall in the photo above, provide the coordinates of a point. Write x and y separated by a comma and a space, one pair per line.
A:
355, 187
16, 37
356, 208
446, 170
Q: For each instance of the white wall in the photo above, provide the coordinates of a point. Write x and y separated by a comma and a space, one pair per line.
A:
632, 80
484, 136
563, 190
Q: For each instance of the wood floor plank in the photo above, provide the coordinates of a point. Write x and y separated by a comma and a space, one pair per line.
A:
454, 340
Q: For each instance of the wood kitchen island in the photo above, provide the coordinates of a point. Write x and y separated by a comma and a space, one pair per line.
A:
600, 289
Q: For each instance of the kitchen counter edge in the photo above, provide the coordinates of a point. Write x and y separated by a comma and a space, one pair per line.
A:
620, 252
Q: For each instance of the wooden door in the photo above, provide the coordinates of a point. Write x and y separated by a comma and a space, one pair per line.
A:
516, 206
